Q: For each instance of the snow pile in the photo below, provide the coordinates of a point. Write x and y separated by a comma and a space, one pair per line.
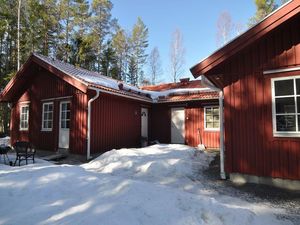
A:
120, 187
159, 163
5, 141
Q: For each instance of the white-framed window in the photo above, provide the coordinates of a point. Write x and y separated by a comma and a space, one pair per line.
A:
286, 106
212, 118
47, 116
24, 117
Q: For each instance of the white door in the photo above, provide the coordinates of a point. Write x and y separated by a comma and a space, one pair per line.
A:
64, 124
144, 121
177, 126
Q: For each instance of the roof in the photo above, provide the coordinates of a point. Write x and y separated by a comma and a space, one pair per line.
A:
282, 14
169, 86
190, 97
83, 80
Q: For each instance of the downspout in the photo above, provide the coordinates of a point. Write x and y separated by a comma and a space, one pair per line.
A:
222, 158
221, 105
88, 151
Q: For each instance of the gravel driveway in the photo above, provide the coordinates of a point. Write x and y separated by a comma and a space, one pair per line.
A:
274, 197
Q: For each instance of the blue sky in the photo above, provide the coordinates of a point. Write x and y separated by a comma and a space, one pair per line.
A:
195, 18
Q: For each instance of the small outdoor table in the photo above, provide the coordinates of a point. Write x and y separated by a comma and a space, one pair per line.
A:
4, 149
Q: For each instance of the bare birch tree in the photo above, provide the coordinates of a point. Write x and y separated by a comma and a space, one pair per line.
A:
177, 53
154, 65
224, 28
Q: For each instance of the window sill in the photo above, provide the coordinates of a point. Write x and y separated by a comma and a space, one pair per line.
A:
46, 130
212, 130
287, 135
23, 129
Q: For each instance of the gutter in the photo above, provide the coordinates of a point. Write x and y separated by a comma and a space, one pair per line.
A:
222, 146
88, 152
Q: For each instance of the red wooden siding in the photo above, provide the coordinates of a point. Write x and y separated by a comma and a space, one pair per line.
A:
194, 119
116, 123
249, 143
161, 123
44, 86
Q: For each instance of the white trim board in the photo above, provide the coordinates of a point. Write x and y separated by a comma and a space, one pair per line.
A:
58, 98
283, 70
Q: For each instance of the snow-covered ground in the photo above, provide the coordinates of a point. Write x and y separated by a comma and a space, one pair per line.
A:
153, 185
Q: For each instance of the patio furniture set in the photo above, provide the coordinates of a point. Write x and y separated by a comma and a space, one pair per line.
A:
24, 152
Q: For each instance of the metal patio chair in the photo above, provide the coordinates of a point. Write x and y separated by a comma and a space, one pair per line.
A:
24, 151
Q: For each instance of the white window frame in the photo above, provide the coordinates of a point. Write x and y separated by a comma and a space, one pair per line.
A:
43, 116
284, 133
24, 105
211, 129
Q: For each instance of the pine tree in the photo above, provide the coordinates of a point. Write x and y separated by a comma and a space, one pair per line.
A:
66, 14
108, 61
81, 15
132, 75
100, 24
263, 8
139, 44
120, 44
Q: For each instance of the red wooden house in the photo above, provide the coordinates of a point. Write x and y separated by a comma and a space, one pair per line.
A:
55, 105
259, 74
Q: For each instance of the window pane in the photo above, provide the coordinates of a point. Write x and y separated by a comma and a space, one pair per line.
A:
285, 105
286, 123
298, 104
50, 115
209, 118
68, 115
45, 116
216, 118
284, 87
216, 124
49, 124
298, 86
216, 111
209, 125
208, 111
63, 115
50, 107
67, 124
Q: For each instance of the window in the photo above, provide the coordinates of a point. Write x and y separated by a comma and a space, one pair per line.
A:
24, 117
286, 106
212, 118
47, 121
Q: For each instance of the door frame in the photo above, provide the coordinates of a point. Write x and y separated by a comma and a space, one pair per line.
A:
59, 123
184, 131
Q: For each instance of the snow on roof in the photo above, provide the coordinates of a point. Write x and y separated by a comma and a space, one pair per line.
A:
85, 76
95, 79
